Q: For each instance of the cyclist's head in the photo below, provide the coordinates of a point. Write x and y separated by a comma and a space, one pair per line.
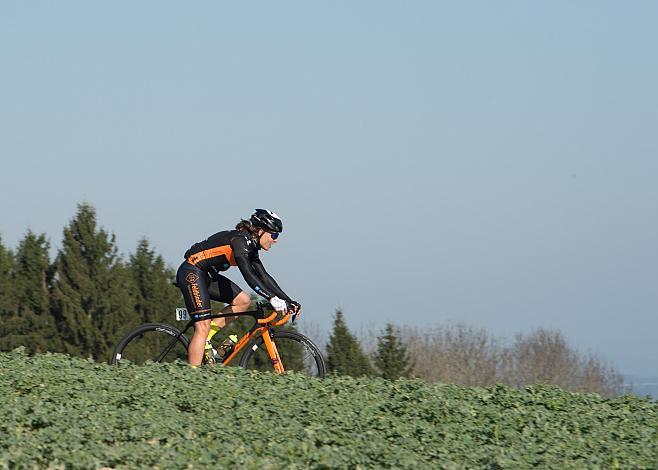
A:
265, 226
267, 220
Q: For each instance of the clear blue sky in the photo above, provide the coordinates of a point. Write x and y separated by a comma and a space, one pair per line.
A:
494, 163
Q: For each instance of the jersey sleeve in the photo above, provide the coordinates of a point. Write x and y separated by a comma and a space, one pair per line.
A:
268, 280
241, 254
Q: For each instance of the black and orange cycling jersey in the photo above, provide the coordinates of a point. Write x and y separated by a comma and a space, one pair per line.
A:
199, 276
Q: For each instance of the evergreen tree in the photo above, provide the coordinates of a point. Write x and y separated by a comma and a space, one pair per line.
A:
32, 324
32, 270
7, 297
344, 353
156, 296
93, 292
392, 359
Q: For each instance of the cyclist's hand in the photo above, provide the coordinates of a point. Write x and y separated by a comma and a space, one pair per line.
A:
279, 305
296, 310
295, 307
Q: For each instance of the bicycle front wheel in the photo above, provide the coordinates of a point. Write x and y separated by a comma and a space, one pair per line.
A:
298, 354
155, 342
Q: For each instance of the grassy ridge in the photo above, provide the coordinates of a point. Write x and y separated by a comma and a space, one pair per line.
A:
63, 412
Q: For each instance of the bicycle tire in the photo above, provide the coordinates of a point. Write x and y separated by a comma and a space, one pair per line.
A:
298, 354
147, 342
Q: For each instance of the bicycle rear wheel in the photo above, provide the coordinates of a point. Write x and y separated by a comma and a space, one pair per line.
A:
298, 354
155, 342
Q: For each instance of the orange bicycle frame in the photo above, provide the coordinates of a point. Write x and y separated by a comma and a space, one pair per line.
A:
272, 352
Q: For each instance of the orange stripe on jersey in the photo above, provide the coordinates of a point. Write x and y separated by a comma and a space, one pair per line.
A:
212, 253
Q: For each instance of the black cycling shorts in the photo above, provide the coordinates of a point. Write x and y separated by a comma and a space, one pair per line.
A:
199, 288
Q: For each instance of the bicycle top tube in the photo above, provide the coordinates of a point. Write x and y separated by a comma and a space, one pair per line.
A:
259, 315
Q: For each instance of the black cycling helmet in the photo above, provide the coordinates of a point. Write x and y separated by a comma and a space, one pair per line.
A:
267, 220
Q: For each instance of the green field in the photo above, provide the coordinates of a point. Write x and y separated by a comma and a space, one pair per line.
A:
61, 412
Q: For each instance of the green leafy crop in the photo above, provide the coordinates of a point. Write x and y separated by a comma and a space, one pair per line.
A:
61, 412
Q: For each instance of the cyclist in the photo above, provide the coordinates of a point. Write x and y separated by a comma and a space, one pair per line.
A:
199, 277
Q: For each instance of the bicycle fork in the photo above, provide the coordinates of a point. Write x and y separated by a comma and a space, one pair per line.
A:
273, 352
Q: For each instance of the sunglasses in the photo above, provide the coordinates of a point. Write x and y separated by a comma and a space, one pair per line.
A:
274, 235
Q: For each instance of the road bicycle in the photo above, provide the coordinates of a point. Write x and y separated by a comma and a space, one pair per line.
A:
265, 345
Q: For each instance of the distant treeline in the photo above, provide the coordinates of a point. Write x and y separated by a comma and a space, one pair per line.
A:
86, 299
82, 302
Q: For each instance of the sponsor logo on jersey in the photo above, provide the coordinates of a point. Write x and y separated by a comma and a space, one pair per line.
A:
191, 278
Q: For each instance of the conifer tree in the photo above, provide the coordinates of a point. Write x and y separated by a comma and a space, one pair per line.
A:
344, 353
392, 359
156, 296
32, 270
93, 292
32, 324
7, 297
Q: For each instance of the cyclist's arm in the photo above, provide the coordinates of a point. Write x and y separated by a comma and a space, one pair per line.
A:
268, 280
243, 261
249, 274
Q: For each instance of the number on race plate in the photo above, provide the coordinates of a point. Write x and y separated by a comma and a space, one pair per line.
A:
181, 314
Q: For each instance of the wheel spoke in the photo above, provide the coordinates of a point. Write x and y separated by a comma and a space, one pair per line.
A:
297, 354
151, 342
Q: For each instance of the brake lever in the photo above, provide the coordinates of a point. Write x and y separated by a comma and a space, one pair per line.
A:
298, 310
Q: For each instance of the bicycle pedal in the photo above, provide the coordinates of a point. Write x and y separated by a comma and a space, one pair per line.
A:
209, 355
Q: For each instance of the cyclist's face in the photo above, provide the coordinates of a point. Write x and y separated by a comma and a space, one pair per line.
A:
266, 241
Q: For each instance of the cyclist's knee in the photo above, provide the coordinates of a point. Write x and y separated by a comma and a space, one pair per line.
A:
241, 301
203, 327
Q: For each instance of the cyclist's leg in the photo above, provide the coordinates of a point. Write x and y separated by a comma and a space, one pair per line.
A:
193, 283
198, 342
222, 289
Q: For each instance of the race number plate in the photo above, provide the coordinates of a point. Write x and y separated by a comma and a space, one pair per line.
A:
181, 314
